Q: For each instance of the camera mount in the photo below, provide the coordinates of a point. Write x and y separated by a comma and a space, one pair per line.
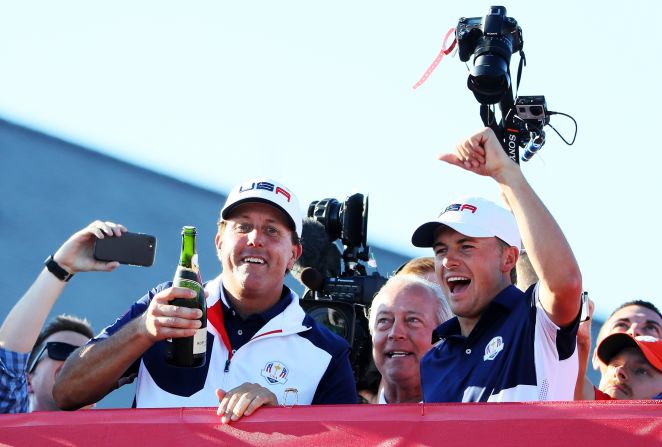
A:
492, 40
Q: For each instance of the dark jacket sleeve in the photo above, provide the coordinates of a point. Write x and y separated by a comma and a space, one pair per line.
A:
337, 385
137, 309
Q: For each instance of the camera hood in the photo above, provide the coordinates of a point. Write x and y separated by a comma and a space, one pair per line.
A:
489, 81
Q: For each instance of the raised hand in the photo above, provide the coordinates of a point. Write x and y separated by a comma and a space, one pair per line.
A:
76, 254
481, 153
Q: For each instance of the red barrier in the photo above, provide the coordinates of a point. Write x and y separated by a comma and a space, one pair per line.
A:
539, 424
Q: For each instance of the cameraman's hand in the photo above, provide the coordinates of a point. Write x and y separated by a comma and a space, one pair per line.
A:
481, 153
76, 254
243, 400
163, 320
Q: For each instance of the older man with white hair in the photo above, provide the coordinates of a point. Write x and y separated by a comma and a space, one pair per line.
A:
402, 317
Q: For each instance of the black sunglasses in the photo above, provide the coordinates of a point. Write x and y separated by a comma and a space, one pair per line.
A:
57, 350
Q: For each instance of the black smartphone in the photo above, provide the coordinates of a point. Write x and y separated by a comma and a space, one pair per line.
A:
585, 315
130, 248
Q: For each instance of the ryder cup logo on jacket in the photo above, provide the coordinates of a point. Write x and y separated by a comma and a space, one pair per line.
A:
275, 372
493, 348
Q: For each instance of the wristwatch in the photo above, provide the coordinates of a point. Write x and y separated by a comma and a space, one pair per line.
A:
57, 270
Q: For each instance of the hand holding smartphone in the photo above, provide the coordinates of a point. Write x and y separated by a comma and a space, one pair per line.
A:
130, 248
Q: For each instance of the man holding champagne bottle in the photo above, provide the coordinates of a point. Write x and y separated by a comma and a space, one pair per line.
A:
262, 349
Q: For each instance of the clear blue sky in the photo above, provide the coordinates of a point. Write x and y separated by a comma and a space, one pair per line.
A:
318, 95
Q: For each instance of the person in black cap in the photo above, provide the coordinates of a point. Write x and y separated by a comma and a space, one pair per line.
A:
262, 349
504, 344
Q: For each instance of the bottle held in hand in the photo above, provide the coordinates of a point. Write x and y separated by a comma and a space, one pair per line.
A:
189, 351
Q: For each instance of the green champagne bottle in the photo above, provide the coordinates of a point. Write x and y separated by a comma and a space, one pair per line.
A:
189, 351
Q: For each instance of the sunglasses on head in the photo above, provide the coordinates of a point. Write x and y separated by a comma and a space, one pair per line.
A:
57, 350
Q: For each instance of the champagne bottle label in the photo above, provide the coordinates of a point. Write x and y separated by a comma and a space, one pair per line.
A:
200, 341
200, 336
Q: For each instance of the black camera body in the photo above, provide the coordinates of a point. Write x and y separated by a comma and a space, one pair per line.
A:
491, 40
494, 30
341, 302
353, 289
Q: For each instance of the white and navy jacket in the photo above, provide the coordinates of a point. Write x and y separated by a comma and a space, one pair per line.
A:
514, 353
291, 351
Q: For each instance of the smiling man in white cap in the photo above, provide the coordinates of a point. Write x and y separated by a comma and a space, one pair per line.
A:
504, 344
262, 349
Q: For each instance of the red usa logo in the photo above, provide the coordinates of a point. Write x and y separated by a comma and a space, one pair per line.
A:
267, 187
460, 207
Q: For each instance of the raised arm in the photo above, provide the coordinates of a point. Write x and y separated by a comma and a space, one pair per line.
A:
560, 284
94, 370
22, 325
526, 276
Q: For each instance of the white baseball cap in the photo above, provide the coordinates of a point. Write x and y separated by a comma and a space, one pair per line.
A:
266, 191
473, 217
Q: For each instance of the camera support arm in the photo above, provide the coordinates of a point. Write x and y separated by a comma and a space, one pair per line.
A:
507, 131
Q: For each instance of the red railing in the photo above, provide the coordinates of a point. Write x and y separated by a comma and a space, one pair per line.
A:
539, 424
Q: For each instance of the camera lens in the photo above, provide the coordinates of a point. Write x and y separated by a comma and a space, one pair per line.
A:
352, 221
333, 319
328, 212
489, 77
536, 110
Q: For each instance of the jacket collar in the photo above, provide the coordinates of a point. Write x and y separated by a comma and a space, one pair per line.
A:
289, 321
504, 302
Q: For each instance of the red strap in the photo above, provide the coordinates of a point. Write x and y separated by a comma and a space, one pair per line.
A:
444, 51
275, 331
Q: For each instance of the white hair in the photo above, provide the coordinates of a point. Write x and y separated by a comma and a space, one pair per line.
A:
443, 312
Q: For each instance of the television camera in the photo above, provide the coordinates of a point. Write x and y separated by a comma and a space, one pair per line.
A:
340, 295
